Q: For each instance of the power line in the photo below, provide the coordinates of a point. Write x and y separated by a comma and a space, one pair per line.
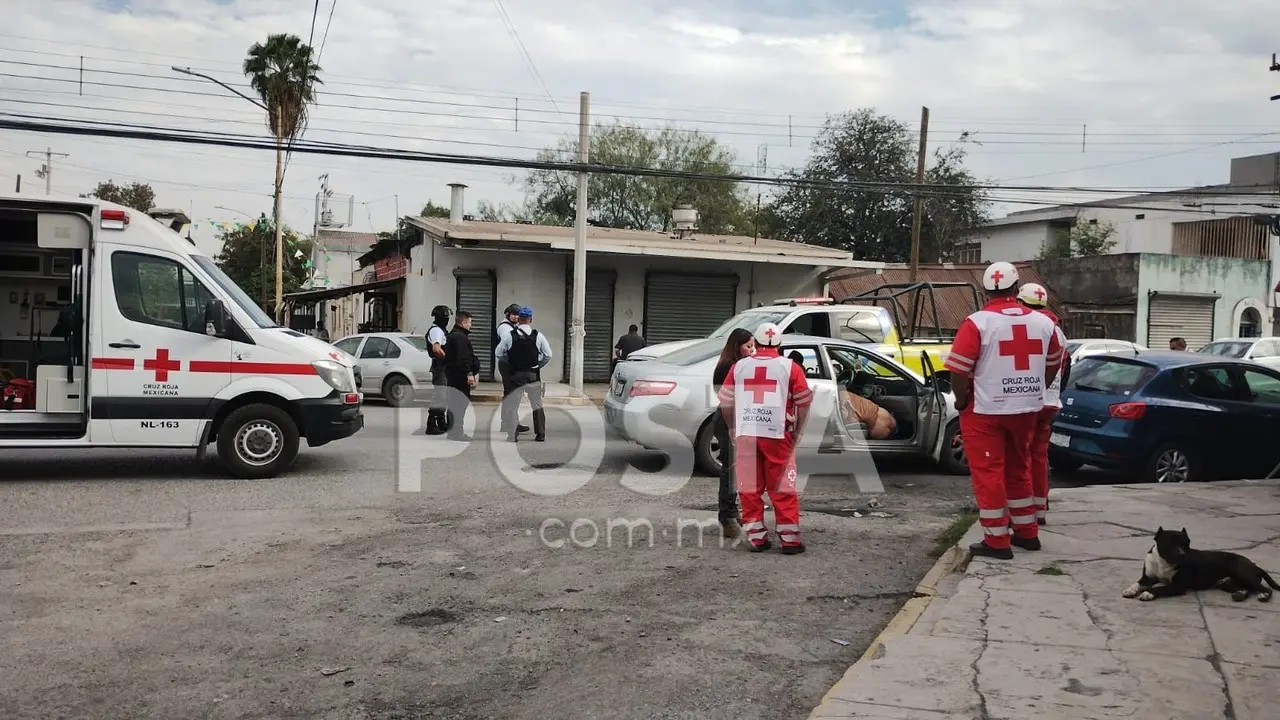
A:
327, 24
369, 152
533, 68
314, 12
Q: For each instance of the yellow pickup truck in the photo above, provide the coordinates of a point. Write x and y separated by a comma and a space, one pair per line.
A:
873, 319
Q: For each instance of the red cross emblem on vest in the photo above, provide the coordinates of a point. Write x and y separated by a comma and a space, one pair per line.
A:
1021, 347
162, 365
760, 384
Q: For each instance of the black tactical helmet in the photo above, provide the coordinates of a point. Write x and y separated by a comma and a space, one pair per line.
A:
441, 311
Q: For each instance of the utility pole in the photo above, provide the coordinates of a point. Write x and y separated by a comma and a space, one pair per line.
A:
917, 222
580, 248
1275, 67
46, 171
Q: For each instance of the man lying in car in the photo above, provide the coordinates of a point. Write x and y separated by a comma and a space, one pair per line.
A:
856, 409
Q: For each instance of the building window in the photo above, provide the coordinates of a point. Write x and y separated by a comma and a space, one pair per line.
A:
969, 253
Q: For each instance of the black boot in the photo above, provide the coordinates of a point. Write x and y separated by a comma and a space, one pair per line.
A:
981, 549
760, 547
1032, 544
792, 549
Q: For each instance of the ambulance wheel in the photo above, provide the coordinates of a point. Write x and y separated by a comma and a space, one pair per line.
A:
258, 441
397, 391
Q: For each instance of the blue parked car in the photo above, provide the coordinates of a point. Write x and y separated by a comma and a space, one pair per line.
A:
1169, 417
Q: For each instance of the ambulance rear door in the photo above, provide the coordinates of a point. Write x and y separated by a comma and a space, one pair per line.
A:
163, 369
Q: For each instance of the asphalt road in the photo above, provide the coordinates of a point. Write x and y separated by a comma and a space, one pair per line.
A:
144, 584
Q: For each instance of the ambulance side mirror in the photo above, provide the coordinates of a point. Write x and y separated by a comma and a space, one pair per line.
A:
215, 319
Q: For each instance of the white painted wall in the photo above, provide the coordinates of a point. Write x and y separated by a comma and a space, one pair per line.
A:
539, 279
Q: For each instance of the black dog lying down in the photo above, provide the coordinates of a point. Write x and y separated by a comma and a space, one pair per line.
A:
1172, 568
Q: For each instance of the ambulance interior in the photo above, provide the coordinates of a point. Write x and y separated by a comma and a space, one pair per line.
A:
42, 344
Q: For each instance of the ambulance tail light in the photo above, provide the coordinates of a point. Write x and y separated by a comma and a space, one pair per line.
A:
114, 219
1128, 411
650, 388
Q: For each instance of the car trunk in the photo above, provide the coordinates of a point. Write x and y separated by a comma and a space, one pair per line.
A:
1098, 383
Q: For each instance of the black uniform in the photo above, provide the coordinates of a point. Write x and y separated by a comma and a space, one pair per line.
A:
460, 362
504, 370
525, 363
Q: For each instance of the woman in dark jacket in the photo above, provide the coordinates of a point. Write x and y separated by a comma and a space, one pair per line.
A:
739, 345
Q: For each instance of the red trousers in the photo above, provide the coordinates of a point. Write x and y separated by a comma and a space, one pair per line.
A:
766, 465
1040, 461
998, 448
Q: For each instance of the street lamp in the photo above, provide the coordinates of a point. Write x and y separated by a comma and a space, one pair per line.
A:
279, 240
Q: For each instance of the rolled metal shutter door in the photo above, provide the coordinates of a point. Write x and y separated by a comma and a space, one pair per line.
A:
687, 307
597, 359
1171, 316
477, 294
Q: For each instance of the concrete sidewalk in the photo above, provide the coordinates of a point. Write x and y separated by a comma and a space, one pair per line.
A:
490, 393
1048, 635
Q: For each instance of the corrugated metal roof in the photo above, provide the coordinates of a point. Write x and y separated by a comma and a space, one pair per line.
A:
954, 303
747, 248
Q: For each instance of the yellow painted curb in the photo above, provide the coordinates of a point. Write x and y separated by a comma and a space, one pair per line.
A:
906, 617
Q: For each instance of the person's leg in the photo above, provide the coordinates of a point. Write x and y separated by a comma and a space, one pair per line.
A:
728, 496
534, 390
461, 397
786, 502
510, 407
1018, 433
1040, 462
747, 469
984, 449
508, 387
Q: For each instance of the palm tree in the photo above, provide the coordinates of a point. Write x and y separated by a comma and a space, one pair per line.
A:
284, 73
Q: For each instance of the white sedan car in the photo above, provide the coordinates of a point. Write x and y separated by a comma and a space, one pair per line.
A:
394, 366
1264, 351
1080, 349
650, 400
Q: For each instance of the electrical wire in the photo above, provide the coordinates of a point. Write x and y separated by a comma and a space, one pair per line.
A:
533, 68
369, 152
327, 24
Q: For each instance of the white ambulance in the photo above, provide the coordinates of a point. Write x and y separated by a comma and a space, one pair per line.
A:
116, 331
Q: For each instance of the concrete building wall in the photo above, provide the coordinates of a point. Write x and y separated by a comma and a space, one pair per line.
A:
540, 279
1240, 284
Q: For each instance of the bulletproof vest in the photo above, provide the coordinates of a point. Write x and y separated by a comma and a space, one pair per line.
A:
524, 354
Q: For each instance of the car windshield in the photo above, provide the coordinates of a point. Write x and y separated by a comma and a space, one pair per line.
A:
1103, 374
229, 286
417, 341
749, 320
694, 354
1232, 349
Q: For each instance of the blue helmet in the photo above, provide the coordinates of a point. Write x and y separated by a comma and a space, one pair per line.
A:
525, 312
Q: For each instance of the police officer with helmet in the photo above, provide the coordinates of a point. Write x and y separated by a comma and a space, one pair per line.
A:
511, 318
526, 352
437, 339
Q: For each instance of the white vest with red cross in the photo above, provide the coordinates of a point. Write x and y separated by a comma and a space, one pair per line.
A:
1009, 376
1053, 393
761, 389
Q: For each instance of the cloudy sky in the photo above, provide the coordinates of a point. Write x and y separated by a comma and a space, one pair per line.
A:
1133, 94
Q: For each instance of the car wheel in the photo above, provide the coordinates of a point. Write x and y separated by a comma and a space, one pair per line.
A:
258, 441
397, 390
953, 459
707, 449
1171, 464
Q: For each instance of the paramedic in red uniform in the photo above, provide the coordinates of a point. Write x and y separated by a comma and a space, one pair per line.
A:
999, 363
765, 400
1036, 297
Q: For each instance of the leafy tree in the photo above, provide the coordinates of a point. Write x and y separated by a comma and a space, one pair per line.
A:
875, 223
245, 258
284, 74
138, 196
434, 211
641, 203
1086, 239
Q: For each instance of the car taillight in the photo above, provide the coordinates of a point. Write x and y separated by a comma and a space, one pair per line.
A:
642, 388
351, 398
1127, 411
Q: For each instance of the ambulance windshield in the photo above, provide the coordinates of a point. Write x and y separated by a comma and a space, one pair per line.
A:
233, 290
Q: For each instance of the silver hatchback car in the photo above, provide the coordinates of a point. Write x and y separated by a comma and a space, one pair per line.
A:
648, 400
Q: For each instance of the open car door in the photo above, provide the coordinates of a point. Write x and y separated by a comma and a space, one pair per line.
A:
933, 410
